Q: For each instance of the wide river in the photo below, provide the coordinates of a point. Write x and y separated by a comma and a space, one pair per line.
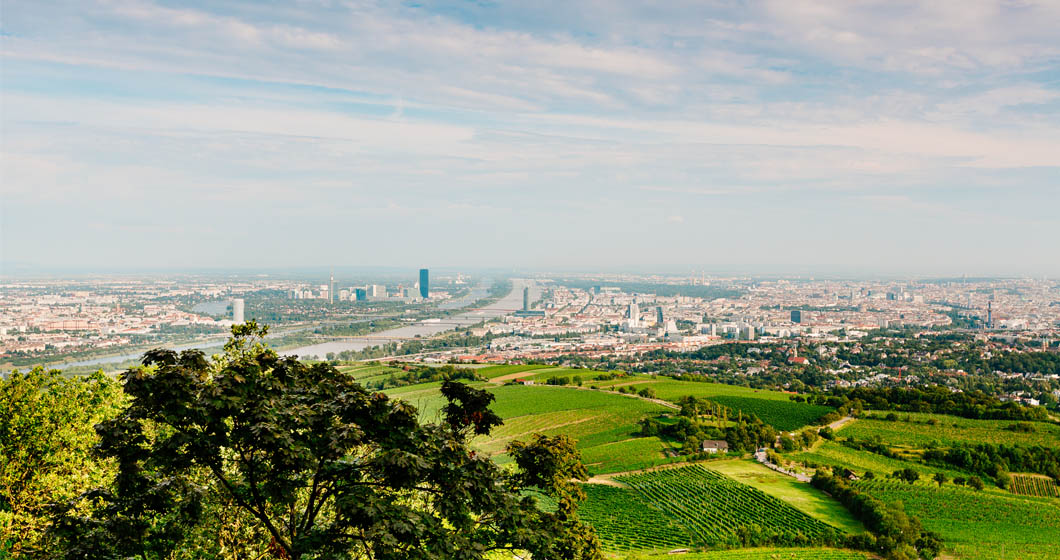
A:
428, 327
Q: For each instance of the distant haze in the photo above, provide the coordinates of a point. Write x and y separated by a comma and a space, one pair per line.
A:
794, 136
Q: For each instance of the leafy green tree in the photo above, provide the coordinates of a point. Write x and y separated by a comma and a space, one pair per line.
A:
906, 475
323, 467
975, 482
939, 478
46, 436
553, 465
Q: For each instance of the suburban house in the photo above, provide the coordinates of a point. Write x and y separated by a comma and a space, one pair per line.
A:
715, 445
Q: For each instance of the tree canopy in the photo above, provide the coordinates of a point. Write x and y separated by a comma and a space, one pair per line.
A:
316, 466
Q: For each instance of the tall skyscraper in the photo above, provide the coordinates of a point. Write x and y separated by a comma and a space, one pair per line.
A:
331, 288
425, 283
796, 316
237, 310
659, 315
526, 298
634, 314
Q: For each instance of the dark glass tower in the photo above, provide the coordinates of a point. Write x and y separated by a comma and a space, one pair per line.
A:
425, 283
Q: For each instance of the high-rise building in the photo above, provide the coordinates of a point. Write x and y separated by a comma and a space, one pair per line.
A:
425, 284
237, 310
526, 298
360, 294
796, 316
634, 314
659, 315
331, 288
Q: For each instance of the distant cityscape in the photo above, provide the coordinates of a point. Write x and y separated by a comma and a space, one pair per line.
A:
48, 319
589, 315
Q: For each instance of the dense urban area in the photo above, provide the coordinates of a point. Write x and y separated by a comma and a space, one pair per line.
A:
812, 418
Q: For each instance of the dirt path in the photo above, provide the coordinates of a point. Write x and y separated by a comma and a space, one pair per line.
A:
605, 482
840, 423
500, 380
761, 457
534, 431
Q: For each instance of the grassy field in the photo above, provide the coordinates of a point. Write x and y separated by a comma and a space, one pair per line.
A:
766, 554
832, 454
806, 498
602, 423
491, 372
772, 407
947, 430
979, 525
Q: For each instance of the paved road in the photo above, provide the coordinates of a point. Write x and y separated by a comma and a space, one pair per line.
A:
761, 457
840, 423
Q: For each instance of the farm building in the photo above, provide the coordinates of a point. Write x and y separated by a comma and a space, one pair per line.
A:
715, 445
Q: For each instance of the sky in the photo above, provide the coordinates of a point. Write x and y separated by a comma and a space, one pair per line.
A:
786, 136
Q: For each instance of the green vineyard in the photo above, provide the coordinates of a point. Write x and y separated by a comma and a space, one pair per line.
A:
624, 522
696, 507
1033, 485
979, 525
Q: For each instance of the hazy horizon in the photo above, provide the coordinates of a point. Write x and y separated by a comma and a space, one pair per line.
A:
781, 138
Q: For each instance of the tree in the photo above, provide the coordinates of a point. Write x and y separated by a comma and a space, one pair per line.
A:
975, 482
906, 475
323, 467
46, 436
940, 479
553, 465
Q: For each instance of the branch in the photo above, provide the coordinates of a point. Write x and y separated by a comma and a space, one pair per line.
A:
259, 514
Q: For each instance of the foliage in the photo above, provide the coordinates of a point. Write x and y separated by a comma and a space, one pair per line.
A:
413, 375
324, 467
941, 400
994, 460
45, 440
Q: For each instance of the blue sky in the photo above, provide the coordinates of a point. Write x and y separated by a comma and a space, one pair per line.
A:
774, 136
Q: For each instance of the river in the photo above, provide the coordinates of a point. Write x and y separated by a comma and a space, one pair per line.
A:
428, 327
425, 328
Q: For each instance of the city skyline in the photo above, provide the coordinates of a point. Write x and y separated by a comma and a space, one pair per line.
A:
793, 137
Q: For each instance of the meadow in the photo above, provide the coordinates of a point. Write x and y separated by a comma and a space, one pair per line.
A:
772, 407
926, 429
832, 454
604, 424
